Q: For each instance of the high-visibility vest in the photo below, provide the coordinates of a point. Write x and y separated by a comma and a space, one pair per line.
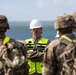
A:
6, 39
36, 66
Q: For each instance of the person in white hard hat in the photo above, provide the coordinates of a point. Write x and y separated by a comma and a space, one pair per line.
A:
36, 29
36, 46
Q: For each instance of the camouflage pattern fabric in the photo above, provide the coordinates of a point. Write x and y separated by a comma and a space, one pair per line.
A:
74, 16
60, 57
4, 22
64, 21
14, 58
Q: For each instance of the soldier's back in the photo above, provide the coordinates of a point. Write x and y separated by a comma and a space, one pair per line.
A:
65, 57
15, 58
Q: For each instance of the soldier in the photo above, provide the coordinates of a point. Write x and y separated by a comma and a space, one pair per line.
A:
13, 59
60, 55
35, 46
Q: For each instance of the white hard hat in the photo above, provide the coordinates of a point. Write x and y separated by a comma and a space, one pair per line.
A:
35, 24
57, 35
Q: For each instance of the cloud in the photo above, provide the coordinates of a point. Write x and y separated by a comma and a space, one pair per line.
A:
43, 3
43, 9
64, 2
7, 7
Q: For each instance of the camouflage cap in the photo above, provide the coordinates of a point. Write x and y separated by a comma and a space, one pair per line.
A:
4, 22
64, 21
74, 16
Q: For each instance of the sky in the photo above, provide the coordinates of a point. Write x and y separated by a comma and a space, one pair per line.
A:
44, 10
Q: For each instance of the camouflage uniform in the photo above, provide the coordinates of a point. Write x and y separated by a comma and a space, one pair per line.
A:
57, 61
13, 59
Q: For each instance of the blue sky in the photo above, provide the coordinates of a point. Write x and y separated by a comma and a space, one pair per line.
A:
26, 10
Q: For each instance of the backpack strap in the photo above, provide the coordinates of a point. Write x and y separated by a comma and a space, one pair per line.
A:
64, 36
6, 39
68, 49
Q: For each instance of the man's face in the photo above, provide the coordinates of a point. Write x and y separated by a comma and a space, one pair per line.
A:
36, 32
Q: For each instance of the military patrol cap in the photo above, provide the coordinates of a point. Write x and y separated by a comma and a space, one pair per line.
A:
74, 16
64, 21
4, 22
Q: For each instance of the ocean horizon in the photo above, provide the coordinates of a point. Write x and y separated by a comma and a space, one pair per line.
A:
20, 30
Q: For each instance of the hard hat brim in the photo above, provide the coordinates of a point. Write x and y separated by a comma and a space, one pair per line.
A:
35, 27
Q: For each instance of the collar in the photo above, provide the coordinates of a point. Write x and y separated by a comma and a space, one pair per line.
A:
36, 40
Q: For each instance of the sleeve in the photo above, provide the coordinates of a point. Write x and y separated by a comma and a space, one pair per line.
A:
15, 57
22, 53
24, 64
15, 54
23, 48
47, 65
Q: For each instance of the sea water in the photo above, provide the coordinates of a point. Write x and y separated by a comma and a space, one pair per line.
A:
21, 31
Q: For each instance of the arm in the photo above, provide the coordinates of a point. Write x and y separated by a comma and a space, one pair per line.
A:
48, 56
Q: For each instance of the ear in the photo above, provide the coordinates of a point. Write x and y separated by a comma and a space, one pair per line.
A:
41, 28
